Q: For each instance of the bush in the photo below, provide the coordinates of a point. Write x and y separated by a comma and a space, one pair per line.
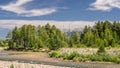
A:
110, 58
84, 58
72, 55
54, 54
95, 57
118, 55
101, 49
75, 56
12, 66
64, 56
118, 61
105, 57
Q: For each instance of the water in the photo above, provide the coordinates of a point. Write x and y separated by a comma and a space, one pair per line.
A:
3, 54
7, 57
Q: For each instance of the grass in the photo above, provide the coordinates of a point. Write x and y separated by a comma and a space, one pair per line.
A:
54, 54
101, 57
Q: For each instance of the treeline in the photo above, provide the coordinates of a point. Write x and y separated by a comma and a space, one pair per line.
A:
30, 37
49, 37
101, 34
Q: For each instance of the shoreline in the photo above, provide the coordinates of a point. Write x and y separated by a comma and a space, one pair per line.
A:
67, 64
16, 64
43, 57
39, 57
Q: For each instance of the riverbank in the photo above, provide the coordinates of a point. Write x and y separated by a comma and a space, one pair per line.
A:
88, 54
15, 64
43, 58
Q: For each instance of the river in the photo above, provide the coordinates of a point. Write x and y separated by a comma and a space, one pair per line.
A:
8, 57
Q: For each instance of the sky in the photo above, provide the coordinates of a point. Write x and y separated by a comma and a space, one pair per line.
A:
62, 13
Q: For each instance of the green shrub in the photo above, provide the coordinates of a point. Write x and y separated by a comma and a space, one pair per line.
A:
86, 57
101, 49
104, 57
12, 66
72, 55
54, 54
77, 58
118, 61
64, 56
95, 57
118, 55
110, 58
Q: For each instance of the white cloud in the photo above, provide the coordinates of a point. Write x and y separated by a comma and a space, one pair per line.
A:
105, 5
18, 8
63, 25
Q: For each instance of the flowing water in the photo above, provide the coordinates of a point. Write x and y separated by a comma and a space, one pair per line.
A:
8, 57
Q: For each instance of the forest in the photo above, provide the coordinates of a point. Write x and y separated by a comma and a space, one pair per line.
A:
30, 37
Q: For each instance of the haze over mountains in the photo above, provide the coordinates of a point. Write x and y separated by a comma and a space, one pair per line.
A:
62, 25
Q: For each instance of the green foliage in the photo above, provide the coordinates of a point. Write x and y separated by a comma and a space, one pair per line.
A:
72, 55
102, 33
103, 57
54, 54
29, 37
101, 49
2, 43
64, 56
12, 66
95, 57
88, 37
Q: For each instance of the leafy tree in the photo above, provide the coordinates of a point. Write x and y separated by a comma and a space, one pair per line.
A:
74, 39
30, 37
88, 38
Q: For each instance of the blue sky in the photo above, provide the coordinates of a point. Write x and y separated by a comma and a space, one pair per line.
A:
73, 11
64, 10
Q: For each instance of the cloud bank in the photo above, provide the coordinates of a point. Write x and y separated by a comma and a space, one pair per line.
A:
17, 7
63, 25
105, 5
